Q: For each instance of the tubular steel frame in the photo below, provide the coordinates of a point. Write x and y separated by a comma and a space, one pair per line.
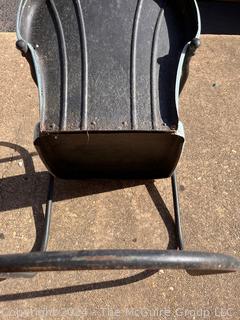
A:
26, 265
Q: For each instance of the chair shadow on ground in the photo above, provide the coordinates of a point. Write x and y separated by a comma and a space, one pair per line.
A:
26, 190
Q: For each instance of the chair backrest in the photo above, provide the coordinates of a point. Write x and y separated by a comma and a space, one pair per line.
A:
110, 66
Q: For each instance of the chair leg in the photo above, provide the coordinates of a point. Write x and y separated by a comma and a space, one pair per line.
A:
26, 265
44, 241
48, 214
176, 204
177, 212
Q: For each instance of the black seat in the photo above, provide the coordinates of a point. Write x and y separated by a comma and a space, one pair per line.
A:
109, 78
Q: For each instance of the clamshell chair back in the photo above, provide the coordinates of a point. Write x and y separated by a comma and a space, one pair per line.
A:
109, 75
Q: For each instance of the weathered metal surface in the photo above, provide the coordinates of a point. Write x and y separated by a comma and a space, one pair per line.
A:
103, 65
117, 259
110, 154
109, 76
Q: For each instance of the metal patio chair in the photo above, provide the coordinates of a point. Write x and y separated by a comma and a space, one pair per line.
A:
109, 75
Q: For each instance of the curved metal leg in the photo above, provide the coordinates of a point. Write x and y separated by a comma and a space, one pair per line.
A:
44, 243
48, 214
22, 265
177, 212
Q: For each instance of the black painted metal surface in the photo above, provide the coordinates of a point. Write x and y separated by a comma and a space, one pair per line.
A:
117, 259
218, 17
109, 75
107, 65
110, 154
